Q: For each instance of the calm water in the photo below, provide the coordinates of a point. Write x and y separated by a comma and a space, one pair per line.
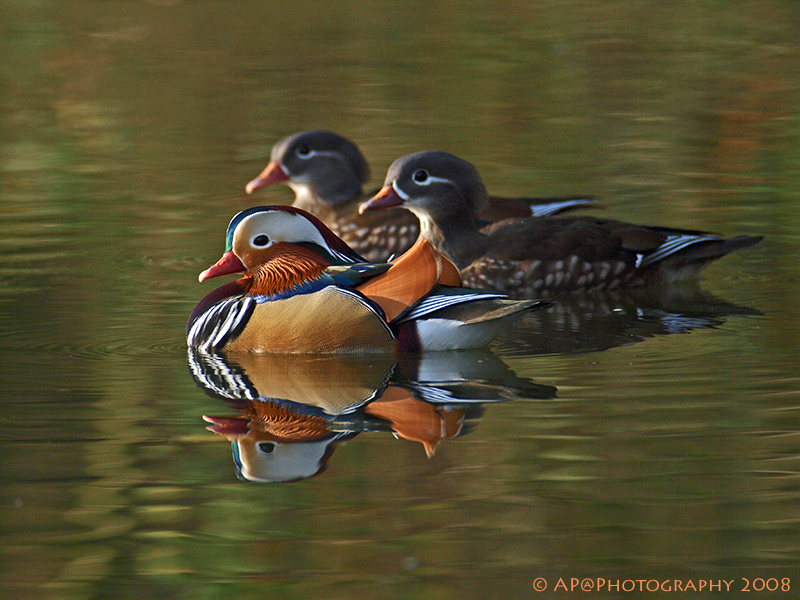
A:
654, 439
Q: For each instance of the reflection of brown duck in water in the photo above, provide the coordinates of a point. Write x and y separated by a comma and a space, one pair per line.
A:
295, 410
602, 320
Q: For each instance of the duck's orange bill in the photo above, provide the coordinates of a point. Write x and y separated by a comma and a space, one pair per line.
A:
274, 173
383, 199
229, 263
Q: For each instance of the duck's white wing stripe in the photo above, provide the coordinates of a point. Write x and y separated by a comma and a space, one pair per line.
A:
194, 335
674, 244
435, 303
552, 208
230, 323
431, 393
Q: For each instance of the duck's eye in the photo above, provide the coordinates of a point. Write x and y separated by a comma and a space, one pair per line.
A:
303, 151
420, 176
260, 240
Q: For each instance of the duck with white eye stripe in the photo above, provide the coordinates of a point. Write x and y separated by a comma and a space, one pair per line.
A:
305, 291
538, 257
327, 173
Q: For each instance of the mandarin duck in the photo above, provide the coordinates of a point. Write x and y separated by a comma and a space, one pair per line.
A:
327, 172
305, 291
538, 257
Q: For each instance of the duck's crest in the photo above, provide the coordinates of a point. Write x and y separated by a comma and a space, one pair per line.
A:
339, 248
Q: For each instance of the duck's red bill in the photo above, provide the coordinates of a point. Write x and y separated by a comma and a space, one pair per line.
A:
229, 263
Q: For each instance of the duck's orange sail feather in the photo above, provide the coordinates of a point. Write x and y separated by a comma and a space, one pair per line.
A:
411, 277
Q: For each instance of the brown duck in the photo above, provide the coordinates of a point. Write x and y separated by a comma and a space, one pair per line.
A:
536, 257
327, 173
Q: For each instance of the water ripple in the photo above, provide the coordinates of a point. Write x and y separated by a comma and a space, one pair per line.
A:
123, 347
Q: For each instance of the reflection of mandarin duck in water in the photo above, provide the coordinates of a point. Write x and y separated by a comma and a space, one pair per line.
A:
304, 290
327, 172
262, 455
282, 441
538, 257
295, 410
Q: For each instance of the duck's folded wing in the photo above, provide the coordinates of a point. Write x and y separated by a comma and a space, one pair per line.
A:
500, 208
465, 304
458, 319
704, 247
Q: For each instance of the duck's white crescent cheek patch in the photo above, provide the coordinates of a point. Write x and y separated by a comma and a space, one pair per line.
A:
318, 153
399, 192
432, 179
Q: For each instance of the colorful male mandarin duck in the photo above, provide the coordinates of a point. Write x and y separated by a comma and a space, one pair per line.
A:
542, 256
327, 172
305, 291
